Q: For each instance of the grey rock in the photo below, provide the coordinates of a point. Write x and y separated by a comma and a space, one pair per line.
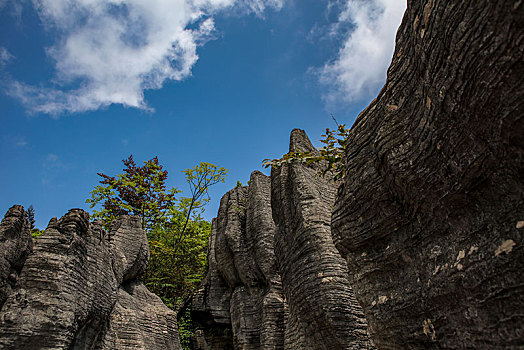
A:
210, 304
430, 213
69, 294
242, 291
323, 312
139, 320
16, 244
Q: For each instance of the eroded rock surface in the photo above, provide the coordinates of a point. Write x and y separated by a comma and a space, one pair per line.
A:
323, 312
242, 289
429, 216
79, 290
16, 244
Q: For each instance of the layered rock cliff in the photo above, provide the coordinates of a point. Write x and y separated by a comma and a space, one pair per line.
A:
275, 277
420, 245
78, 289
242, 290
16, 244
423, 246
430, 213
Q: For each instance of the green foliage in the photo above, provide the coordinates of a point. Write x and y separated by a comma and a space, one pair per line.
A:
137, 191
35, 233
30, 215
331, 157
239, 184
177, 234
175, 274
186, 329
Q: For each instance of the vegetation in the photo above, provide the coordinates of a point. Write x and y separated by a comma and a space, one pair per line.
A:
30, 215
331, 157
176, 232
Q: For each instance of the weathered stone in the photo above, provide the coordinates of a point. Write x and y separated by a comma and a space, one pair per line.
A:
140, 320
16, 244
130, 248
69, 293
210, 304
241, 259
323, 313
428, 213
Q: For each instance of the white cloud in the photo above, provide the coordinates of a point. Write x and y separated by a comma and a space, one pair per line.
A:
5, 57
110, 51
360, 68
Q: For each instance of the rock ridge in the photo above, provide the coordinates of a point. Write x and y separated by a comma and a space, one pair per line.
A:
78, 289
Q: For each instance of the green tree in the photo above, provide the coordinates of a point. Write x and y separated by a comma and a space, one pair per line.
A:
331, 157
176, 232
139, 190
30, 214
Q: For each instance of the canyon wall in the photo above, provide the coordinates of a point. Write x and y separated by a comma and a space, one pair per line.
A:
430, 214
420, 245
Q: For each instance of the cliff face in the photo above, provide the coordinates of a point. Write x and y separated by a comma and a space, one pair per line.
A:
242, 290
429, 216
16, 244
287, 285
323, 312
426, 227
78, 289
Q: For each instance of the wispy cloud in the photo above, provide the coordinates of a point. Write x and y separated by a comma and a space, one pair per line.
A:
5, 57
360, 68
110, 51
16, 141
52, 161
52, 167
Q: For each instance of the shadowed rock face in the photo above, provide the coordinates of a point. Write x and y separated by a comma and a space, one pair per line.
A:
16, 244
430, 213
323, 312
283, 285
79, 289
242, 289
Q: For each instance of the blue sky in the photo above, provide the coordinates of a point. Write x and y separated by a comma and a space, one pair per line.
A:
86, 83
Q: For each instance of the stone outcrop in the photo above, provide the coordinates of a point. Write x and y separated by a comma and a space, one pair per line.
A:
79, 290
323, 312
283, 285
16, 244
430, 215
242, 289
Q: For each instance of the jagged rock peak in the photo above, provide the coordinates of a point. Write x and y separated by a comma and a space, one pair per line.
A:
323, 312
299, 142
242, 282
79, 284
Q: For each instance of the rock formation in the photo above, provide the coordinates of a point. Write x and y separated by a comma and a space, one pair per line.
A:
283, 285
420, 246
79, 290
16, 244
323, 312
242, 289
430, 215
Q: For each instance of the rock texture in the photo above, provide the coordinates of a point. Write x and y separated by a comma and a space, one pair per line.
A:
430, 216
242, 289
323, 312
16, 244
275, 278
79, 290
